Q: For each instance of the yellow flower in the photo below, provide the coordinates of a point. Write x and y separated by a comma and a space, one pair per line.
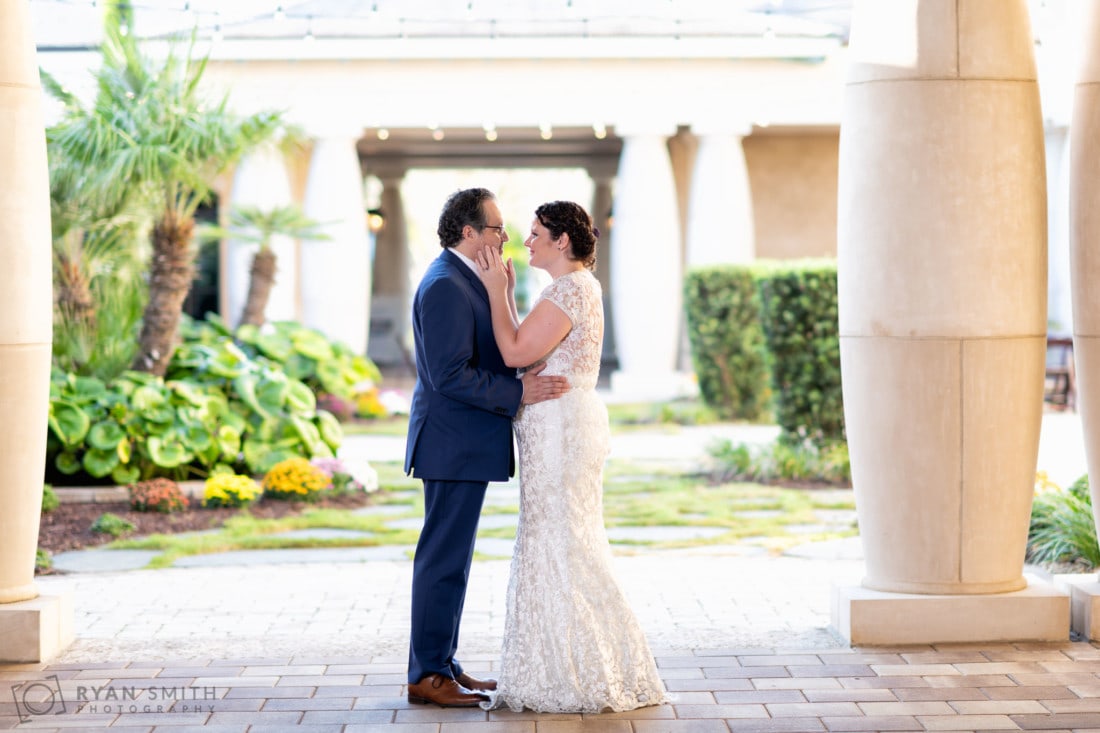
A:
225, 489
295, 478
1043, 483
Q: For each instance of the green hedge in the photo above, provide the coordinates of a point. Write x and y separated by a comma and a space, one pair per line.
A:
728, 349
799, 312
764, 338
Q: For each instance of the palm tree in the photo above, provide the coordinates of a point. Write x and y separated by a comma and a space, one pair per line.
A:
252, 224
98, 272
150, 136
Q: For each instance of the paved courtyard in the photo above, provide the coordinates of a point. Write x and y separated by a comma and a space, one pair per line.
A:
317, 642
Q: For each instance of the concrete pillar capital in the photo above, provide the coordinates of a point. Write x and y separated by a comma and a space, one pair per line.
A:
730, 127
644, 128
389, 173
602, 172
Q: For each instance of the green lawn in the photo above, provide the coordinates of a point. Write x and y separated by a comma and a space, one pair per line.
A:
762, 515
634, 496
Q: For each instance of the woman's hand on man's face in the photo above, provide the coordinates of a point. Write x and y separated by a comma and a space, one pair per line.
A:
494, 272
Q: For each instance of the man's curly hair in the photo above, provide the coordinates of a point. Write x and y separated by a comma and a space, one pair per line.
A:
462, 208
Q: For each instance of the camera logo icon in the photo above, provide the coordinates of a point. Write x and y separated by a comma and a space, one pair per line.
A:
38, 698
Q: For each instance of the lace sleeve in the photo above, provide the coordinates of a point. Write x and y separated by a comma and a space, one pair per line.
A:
564, 293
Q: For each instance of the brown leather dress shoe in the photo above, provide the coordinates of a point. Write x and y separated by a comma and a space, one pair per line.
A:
472, 683
444, 692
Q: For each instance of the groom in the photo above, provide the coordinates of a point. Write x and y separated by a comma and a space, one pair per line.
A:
460, 438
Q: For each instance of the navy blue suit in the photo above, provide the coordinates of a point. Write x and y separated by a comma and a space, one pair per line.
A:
460, 438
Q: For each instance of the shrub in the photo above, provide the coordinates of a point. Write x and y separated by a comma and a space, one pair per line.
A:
229, 490
784, 461
800, 322
1062, 526
49, 499
111, 524
157, 495
295, 478
43, 560
727, 340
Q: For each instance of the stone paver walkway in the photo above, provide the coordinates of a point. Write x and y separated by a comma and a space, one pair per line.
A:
742, 642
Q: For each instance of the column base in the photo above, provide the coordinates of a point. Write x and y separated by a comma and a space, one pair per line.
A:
36, 630
652, 387
864, 617
1084, 593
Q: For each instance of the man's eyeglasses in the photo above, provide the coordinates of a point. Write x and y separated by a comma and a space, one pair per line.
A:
499, 228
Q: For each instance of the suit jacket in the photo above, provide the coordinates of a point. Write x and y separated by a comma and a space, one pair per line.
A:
460, 421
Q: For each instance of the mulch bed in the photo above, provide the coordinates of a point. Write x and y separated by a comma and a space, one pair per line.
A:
69, 526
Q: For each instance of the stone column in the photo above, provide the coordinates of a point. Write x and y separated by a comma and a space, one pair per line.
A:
1059, 295
719, 222
392, 302
942, 286
261, 181
602, 203
336, 282
1084, 219
646, 280
32, 627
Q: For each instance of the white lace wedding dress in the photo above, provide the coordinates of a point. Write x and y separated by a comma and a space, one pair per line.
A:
571, 642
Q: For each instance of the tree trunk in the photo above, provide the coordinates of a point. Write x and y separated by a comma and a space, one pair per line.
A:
261, 280
170, 275
74, 297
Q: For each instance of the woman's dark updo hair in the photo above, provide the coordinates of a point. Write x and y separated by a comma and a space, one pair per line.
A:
566, 217
462, 208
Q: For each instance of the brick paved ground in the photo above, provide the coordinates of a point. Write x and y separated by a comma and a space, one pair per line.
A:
742, 643
998, 687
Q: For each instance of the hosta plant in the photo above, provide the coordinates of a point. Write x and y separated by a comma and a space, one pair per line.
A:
218, 407
327, 367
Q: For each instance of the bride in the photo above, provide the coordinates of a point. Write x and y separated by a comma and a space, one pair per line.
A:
571, 642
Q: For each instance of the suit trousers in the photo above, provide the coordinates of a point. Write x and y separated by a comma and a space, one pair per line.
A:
441, 570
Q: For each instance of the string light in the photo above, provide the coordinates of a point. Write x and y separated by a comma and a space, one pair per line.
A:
382, 134
217, 36
676, 17
599, 130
